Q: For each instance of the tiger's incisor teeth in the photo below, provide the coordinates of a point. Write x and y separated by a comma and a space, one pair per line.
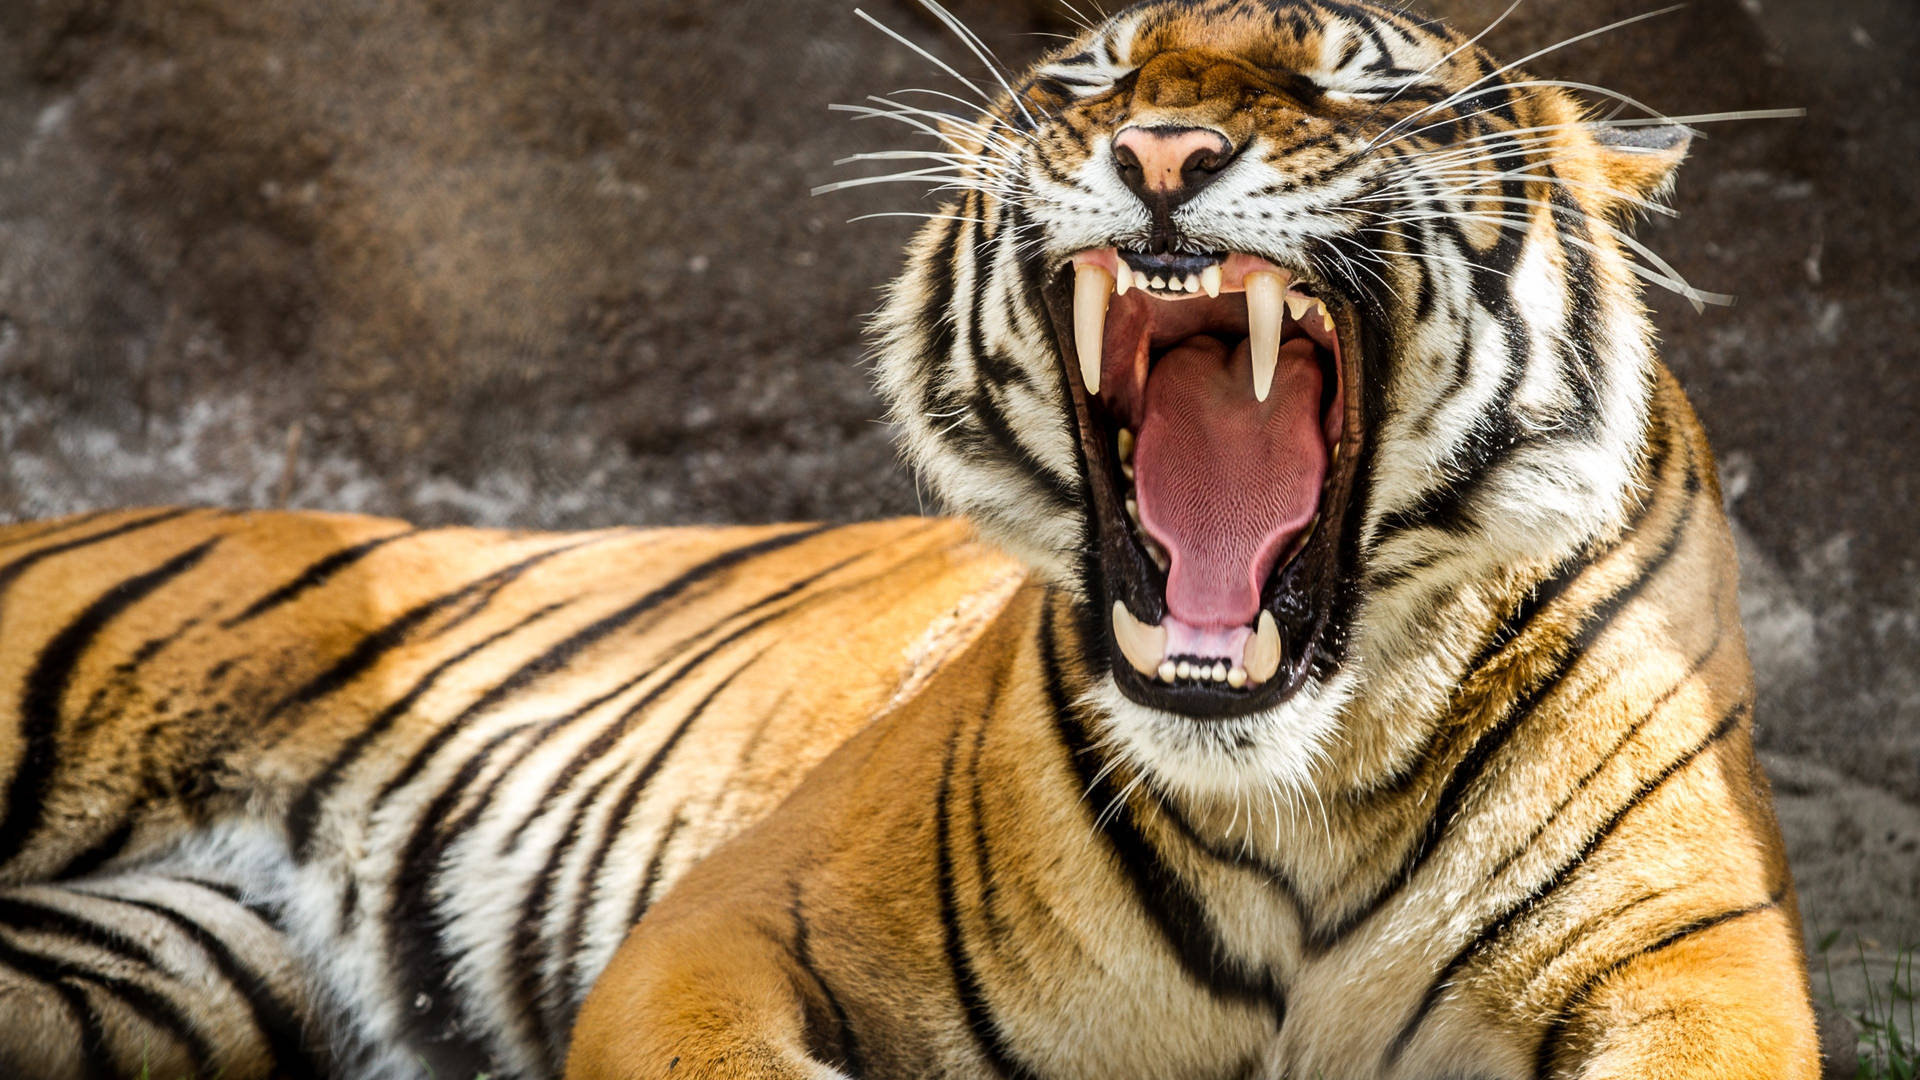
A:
1266, 293
1144, 646
1092, 288
1193, 283
1122, 279
1210, 280
1262, 653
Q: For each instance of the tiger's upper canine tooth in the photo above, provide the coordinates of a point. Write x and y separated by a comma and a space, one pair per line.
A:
1262, 654
1144, 646
1266, 291
1092, 288
1210, 280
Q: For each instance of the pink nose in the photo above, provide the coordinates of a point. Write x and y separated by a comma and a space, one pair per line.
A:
1169, 162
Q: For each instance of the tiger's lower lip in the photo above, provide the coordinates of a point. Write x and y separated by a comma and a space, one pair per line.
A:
1168, 652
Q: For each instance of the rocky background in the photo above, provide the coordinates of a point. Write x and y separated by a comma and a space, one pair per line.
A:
554, 263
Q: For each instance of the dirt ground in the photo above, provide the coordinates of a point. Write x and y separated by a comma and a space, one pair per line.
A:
555, 264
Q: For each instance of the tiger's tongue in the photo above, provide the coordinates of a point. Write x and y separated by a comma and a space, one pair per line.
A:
1226, 482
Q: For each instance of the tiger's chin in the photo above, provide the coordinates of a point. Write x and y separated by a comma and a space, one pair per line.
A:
1210, 393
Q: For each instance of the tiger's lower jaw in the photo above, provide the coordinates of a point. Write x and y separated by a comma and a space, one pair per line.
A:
1210, 398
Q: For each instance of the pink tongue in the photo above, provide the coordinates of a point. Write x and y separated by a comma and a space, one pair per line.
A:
1226, 482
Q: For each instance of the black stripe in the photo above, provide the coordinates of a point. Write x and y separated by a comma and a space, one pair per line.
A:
121, 678
623, 806
21, 565
997, 928
605, 740
152, 1007
1551, 1040
528, 988
79, 931
1550, 588
430, 839
550, 1023
1631, 731
314, 576
981, 1023
997, 443
46, 687
1583, 372
375, 646
422, 960
844, 1043
304, 813
231, 892
656, 864
416, 929
1466, 775
94, 1062
100, 851
277, 1022
934, 322
482, 597
19, 914
1495, 928
560, 655
1271, 875
27, 534
1175, 911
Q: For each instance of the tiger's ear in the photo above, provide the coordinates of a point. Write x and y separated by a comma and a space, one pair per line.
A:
1639, 162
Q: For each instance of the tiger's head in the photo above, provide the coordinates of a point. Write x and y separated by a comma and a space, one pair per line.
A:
1289, 337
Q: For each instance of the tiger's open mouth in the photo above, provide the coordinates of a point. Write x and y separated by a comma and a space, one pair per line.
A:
1210, 392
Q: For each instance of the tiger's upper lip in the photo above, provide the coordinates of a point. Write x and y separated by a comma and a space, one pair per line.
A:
1271, 294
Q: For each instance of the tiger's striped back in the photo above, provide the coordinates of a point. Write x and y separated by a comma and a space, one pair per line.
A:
454, 764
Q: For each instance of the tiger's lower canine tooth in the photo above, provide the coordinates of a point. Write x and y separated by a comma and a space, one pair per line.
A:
1092, 288
1262, 654
1142, 645
1266, 299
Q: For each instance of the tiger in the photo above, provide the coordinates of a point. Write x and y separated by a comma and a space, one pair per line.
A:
1332, 669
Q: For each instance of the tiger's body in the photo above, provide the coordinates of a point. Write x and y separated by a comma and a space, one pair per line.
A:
449, 766
1469, 794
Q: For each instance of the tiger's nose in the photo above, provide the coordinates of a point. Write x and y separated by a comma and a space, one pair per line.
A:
1169, 165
